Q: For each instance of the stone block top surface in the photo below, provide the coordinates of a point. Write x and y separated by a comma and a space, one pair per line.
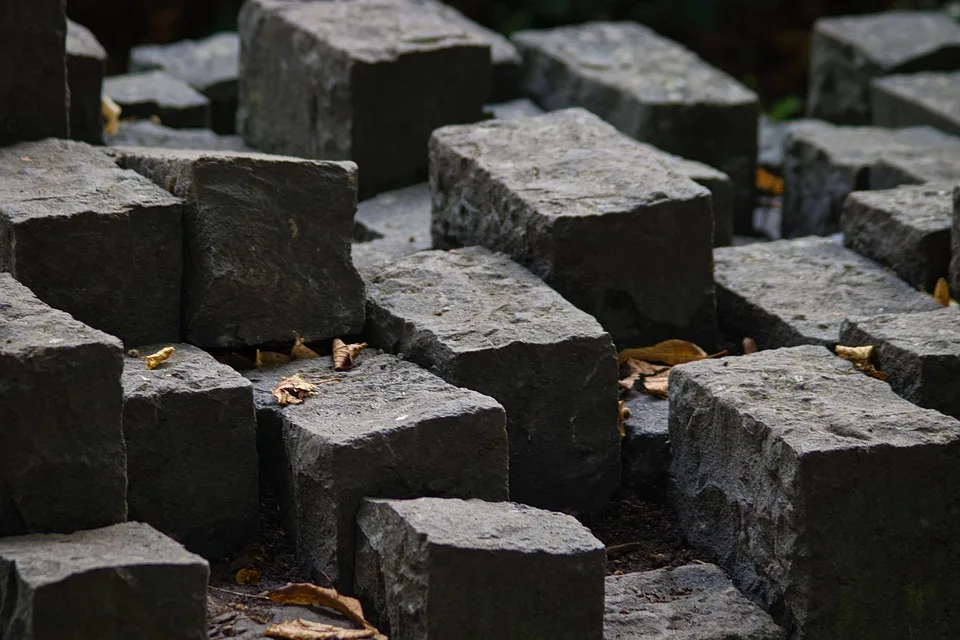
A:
189, 369
691, 168
929, 334
926, 208
916, 166
81, 43
199, 63
858, 145
47, 159
195, 155
152, 86
502, 50
939, 91
145, 133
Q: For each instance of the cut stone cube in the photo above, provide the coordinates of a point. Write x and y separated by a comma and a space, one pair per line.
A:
809, 479
86, 63
155, 93
917, 167
143, 133
955, 246
575, 201
118, 582
646, 446
391, 226
480, 321
425, 566
931, 98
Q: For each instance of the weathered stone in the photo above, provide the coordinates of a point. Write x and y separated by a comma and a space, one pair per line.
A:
480, 321
366, 80
210, 65
917, 167
33, 74
514, 109
267, 244
793, 292
575, 201
98, 242
646, 445
955, 245
514, 572
692, 602
906, 229
156, 93
931, 98
191, 438
115, 583
652, 89
386, 428
86, 63
391, 226
143, 133
847, 52
772, 137
809, 480
62, 459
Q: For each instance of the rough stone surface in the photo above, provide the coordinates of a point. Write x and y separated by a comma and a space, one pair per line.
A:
652, 89
793, 292
425, 566
480, 321
267, 244
917, 167
386, 429
86, 62
191, 438
920, 352
848, 51
70, 215
383, 74
118, 582
156, 93
575, 201
143, 133
514, 109
906, 229
209, 65
809, 480
391, 226
33, 75
931, 98
62, 459
955, 245
646, 445
692, 602
772, 137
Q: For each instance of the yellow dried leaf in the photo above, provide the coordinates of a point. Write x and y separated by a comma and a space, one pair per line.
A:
768, 182
247, 576
111, 115
306, 594
624, 413
657, 385
155, 359
941, 292
669, 352
270, 359
860, 357
749, 346
301, 629
345, 354
301, 351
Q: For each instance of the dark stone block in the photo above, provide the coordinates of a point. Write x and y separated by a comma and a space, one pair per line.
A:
86, 62
155, 93
391, 226
646, 446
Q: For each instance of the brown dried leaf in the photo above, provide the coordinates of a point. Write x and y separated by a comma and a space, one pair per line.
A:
860, 357
768, 182
345, 354
301, 351
293, 390
669, 352
941, 292
304, 593
623, 415
154, 360
301, 629
270, 359
656, 385
111, 116
248, 575
749, 346
636, 369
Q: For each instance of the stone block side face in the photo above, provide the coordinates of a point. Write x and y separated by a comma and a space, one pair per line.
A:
86, 61
839, 86
893, 103
955, 245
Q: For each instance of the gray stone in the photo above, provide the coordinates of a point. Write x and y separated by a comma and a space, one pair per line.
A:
691, 602
809, 481
70, 216
156, 93
514, 109
772, 137
267, 244
652, 89
210, 65
115, 583
931, 98
191, 438
143, 133
575, 201
955, 246
33, 75
906, 229
847, 52
480, 321
917, 167
387, 429
514, 572
793, 292
62, 458
391, 226
920, 353
366, 80
86, 64
646, 445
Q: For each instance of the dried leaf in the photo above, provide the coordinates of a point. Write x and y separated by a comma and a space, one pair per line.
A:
293, 390
303, 593
111, 115
247, 576
669, 352
749, 346
860, 357
656, 385
345, 354
301, 351
768, 182
155, 359
941, 292
636, 369
270, 359
623, 415
301, 629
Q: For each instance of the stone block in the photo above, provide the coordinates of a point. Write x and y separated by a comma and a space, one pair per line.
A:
793, 292
809, 479
210, 65
691, 602
267, 244
955, 245
514, 109
514, 572
652, 89
191, 438
386, 428
906, 229
69, 215
143, 133
391, 226
156, 93
646, 446
929, 98
480, 321
575, 201
118, 582
381, 75
86, 64
917, 167
62, 458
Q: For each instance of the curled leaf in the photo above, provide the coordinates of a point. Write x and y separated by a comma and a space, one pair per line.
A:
295, 389
111, 115
301, 629
636, 369
345, 354
301, 351
656, 385
860, 357
306, 594
668, 352
270, 359
248, 575
155, 359
624, 413
941, 292
749, 346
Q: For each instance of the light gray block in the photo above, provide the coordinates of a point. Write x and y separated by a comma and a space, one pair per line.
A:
930, 98
156, 93
514, 109
918, 166
86, 65
391, 226
143, 133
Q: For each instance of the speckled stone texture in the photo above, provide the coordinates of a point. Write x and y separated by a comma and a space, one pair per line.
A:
432, 568
906, 229
115, 583
652, 89
808, 480
692, 602
646, 446
955, 245
143, 133
386, 428
62, 458
86, 63
391, 226
156, 93
931, 98
267, 244
69, 215
848, 51
366, 80
793, 292
191, 439
479, 320
918, 166
575, 201
514, 109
